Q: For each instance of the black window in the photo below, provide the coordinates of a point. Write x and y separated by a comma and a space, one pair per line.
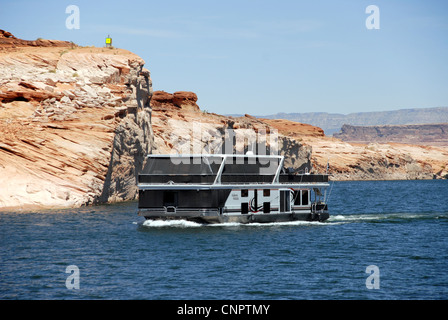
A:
266, 192
296, 197
305, 197
244, 193
170, 198
266, 207
285, 204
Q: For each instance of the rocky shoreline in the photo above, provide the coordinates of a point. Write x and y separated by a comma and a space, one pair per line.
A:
77, 122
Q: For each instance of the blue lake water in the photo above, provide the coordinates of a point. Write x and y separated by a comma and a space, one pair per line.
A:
399, 227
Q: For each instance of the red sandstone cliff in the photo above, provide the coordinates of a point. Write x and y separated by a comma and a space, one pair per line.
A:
74, 124
180, 126
368, 161
303, 145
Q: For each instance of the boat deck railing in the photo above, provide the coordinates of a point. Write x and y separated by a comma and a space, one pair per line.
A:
229, 179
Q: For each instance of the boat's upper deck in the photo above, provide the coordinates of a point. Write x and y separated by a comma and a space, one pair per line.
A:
221, 169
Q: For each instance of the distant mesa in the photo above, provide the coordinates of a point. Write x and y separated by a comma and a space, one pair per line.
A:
421, 134
332, 122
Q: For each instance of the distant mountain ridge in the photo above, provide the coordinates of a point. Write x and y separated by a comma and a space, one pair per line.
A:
333, 122
420, 134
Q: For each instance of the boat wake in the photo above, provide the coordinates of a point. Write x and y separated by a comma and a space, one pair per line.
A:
333, 220
387, 217
191, 224
171, 223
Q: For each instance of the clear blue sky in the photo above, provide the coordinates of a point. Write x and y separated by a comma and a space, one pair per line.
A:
263, 57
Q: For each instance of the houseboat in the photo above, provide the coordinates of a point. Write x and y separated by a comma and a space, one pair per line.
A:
219, 188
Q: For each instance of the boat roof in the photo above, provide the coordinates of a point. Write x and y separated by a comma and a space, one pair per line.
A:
217, 169
214, 155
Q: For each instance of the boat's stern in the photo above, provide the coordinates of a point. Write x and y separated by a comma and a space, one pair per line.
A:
319, 211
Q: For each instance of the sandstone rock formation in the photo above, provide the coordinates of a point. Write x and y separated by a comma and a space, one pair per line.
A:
332, 122
421, 134
8, 41
181, 99
74, 124
371, 161
180, 127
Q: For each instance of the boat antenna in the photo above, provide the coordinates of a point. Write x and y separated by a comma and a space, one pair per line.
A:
328, 165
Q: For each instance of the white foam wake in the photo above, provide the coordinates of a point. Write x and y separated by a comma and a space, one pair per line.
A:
383, 217
272, 224
191, 224
171, 223
354, 218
